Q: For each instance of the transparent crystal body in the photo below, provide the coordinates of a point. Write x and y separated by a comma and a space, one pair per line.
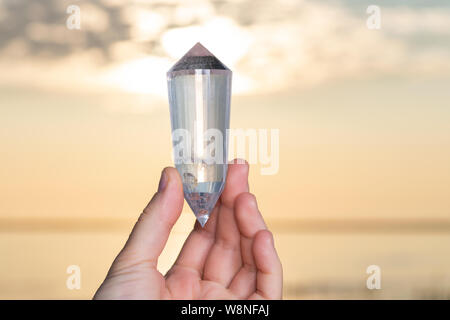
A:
199, 88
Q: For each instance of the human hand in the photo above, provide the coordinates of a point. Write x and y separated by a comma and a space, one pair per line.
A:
232, 257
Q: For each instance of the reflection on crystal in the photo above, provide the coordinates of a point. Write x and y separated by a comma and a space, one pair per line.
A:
199, 97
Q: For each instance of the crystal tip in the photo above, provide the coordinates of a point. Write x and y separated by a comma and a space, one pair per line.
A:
198, 57
198, 50
202, 219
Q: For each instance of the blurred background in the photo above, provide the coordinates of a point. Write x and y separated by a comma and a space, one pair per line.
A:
363, 114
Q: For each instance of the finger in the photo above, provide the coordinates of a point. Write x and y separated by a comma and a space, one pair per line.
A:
227, 231
150, 233
236, 183
224, 259
249, 221
269, 276
197, 246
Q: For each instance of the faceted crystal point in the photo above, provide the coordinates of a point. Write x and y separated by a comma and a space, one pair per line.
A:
203, 198
198, 57
202, 219
199, 97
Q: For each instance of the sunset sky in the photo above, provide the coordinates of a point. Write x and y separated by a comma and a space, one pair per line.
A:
363, 114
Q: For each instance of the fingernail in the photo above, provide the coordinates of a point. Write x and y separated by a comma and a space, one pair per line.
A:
162, 181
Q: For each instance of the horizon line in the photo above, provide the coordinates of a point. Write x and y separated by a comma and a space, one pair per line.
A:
280, 225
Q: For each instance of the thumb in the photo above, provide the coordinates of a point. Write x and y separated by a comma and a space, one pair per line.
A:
150, 234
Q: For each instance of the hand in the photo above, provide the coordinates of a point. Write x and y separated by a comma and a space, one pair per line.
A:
232, 257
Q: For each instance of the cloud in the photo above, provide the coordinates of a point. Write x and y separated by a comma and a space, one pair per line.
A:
270, 47
407, 21
316, 42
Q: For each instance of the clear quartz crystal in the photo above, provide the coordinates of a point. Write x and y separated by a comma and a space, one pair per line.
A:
199, 96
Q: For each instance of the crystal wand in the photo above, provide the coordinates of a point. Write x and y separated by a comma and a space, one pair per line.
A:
199, 97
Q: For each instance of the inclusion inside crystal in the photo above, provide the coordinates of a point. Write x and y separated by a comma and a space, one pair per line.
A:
203, 199
202, 186
199, 97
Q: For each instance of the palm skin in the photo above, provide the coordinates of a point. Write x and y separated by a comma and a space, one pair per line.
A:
232, 257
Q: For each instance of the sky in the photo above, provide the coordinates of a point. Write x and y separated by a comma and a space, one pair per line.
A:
275, 46
363, 114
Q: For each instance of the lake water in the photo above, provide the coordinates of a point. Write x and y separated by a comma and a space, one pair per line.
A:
316, 265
